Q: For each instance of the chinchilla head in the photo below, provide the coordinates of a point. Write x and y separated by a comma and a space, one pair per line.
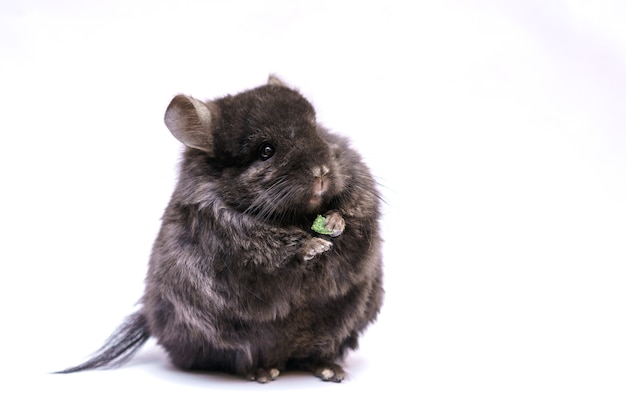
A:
260, 150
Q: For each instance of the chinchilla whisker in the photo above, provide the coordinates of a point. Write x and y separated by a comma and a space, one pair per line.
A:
269, 204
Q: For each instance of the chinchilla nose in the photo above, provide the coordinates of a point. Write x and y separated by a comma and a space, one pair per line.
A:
320, 185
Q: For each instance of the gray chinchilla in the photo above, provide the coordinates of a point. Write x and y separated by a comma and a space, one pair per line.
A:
238, 281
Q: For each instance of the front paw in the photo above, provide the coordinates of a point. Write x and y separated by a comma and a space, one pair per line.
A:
335, 223
315, 246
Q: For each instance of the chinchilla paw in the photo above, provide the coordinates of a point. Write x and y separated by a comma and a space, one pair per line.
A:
265, 375
335, 223
330, 373
316, 246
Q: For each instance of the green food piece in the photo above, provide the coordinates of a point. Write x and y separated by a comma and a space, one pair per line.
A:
319, 226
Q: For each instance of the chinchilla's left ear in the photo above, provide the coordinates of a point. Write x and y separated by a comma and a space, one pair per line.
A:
191, 121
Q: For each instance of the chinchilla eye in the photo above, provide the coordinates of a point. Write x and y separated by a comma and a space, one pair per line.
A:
266, 151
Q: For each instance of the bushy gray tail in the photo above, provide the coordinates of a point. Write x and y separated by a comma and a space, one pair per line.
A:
120, 346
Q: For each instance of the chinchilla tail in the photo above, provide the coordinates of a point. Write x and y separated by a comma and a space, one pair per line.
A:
120, 346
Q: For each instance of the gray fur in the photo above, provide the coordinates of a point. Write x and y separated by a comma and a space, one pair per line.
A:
237, 280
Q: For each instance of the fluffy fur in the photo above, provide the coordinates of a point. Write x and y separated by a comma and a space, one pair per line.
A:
237, 281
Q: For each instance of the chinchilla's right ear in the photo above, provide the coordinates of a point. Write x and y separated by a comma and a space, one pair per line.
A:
190, 121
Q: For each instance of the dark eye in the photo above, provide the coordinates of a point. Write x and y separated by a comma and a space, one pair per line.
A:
266, 151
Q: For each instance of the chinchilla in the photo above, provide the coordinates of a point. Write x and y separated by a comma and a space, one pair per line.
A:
238, 281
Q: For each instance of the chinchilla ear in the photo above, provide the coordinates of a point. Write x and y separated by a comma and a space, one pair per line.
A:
273, 80
190, 121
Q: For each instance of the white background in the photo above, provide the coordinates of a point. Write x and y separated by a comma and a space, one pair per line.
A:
497, 131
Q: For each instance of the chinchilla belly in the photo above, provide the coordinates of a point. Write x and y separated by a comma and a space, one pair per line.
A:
204, 338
